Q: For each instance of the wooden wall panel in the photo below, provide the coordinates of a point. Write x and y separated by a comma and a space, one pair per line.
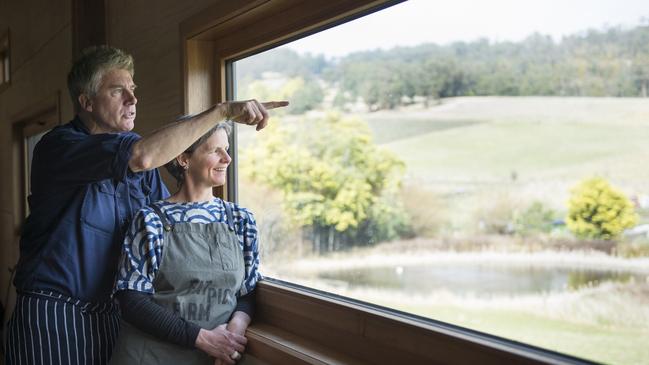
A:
33, 24
40, 79
40, 58
200, 76
149, 30
8, 249
88, 24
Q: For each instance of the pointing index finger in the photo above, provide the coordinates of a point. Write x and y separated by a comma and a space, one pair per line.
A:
274, 104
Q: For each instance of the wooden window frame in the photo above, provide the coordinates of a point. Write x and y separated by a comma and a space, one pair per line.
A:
5, 60
294, 324
40, 117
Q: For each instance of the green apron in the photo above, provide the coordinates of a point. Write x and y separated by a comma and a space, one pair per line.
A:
201, 271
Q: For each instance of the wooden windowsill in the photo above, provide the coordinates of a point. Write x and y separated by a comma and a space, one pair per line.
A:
277, 346
295, 325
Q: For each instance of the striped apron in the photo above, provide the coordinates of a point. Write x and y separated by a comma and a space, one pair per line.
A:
49, 328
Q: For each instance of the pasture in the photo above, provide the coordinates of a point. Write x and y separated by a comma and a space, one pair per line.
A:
484, 140
479, 152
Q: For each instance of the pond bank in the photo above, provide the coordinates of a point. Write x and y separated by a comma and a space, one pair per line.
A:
567, 259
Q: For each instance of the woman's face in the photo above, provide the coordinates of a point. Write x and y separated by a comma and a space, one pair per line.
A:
209, 162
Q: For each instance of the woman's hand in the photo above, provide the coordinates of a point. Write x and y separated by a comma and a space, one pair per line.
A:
218, 361
251, 112
237, 324
221, 362
220, 344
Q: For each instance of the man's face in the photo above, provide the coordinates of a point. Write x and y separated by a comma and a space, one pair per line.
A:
113, 107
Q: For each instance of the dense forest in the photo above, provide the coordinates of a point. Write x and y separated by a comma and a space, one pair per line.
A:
612, 62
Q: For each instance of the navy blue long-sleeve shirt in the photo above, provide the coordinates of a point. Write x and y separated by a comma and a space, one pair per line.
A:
83, 195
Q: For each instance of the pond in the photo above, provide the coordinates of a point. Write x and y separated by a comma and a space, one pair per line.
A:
477, 280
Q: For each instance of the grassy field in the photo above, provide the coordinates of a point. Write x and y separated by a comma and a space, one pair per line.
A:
491, 151
518, 149
481, 140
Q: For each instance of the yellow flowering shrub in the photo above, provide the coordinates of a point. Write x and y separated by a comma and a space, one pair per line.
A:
596, 210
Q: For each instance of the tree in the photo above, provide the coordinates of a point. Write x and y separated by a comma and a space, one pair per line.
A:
597, 210
304, 94
535, 219
641, 74
336, 184
608, 62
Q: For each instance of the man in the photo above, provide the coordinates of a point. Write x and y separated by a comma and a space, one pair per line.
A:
88, 178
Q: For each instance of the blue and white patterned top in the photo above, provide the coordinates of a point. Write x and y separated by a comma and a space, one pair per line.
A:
143, 244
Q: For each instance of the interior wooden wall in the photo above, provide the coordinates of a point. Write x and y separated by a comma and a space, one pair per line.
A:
150, 31
40, 54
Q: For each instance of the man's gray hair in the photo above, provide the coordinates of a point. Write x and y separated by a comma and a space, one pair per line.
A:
88, 70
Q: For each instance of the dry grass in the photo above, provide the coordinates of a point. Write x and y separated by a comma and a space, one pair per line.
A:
412, 254
427, 210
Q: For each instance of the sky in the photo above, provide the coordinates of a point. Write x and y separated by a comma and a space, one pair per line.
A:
444, 21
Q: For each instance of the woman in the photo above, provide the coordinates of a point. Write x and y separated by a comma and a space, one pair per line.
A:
188, 268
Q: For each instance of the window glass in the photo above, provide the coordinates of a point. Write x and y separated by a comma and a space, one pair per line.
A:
470, 162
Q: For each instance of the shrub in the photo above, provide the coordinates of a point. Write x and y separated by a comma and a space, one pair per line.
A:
495, 213
598, 211
535, 219
427, 211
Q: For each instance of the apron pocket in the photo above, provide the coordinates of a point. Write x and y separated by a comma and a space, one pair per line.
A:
229, 252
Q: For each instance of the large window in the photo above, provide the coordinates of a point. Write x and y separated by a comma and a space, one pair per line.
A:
466, 162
